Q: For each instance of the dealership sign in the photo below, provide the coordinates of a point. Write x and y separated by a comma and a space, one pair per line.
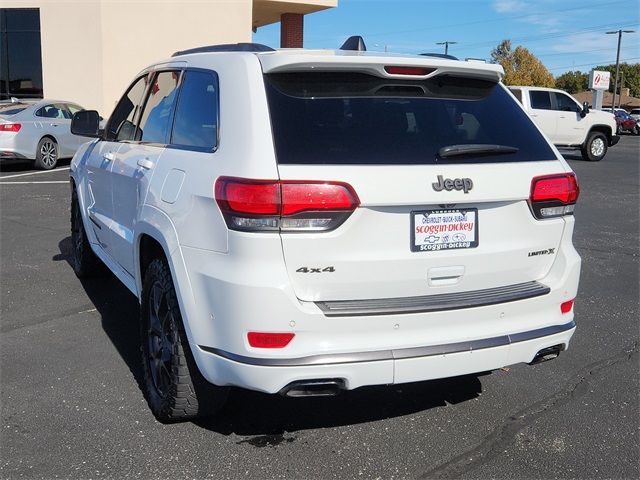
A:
599, 80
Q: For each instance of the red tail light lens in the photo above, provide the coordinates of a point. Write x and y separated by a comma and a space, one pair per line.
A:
272, 205
10, 127
554, 195
269, 340
399, 70
566, 306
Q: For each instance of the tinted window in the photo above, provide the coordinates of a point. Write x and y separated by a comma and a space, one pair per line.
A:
156, 118
349, 118
196, 122
517, 94
51, 111
540, 100
20, 53
121, 124
564, 103
12, 108
73, 108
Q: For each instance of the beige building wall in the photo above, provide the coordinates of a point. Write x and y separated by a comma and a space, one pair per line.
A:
92, 49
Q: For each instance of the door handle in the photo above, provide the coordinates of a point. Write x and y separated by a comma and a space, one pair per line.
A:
145, 163
109, 156
54, 124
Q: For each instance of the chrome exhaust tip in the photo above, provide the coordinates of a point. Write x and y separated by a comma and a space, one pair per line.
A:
547, 354
314, 388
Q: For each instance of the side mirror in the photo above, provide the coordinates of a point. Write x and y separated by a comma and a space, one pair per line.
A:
585, 109
86, 123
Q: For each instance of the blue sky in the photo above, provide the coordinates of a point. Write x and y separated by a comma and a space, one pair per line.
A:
565, 35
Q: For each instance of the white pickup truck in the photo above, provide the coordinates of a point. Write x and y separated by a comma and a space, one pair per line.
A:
568, 124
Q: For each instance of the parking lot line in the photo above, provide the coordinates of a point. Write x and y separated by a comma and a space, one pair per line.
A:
31, 183
34, 173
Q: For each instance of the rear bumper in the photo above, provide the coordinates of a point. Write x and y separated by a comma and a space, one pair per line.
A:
389, 366
614, 140
10, 155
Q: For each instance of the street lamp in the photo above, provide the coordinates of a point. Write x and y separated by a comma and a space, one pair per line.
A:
446, 46
615, 82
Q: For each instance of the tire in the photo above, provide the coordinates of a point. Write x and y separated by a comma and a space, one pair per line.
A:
47, 154
85, 263
595, 148
636, 130
174, 388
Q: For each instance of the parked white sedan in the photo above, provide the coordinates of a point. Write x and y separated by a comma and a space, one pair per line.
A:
38, 130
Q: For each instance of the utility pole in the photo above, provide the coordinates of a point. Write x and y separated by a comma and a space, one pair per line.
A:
446, 46
615, 82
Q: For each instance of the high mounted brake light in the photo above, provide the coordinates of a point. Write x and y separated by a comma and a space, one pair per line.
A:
284, 205
400, 70
554, 195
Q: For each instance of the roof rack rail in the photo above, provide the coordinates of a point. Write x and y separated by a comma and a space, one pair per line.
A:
227, 47
440, 55
356, 42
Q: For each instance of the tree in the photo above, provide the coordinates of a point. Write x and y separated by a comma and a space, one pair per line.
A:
521, 67
573, 82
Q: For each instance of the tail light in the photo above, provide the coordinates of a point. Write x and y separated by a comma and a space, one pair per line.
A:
10, 127
554, 195
284, 205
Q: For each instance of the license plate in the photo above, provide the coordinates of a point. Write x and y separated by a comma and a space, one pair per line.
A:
446, 229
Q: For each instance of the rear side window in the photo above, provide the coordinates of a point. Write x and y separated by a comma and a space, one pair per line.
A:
196, 119
353, 118
51, 111
540, 100
158, 111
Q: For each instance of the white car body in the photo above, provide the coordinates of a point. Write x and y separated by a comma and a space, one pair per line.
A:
34, 125
561, 120
635, 113
359, 301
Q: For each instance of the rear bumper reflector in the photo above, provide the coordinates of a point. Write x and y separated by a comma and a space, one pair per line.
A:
433, 303
398, 354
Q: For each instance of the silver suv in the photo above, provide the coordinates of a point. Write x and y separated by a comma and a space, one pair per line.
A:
304, 222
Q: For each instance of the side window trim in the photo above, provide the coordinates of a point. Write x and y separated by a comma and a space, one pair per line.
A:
216, 78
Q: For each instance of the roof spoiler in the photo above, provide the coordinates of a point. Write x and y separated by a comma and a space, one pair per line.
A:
440, 55
227, 47
356, 43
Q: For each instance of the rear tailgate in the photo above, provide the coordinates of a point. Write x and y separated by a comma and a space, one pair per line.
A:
370, 255
429, 222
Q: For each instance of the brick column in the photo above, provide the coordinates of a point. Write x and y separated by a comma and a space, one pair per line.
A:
291, 30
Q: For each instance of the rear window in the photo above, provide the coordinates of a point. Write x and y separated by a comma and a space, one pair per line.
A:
352, 118
12, 108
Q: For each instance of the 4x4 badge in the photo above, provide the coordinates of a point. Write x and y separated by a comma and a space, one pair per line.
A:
447, 184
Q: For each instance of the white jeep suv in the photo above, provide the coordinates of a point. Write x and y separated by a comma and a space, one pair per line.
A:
304, 222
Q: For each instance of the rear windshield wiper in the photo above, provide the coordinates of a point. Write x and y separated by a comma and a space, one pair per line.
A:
474, 149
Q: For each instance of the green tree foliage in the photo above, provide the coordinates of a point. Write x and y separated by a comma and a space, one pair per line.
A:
521, 67
573, 82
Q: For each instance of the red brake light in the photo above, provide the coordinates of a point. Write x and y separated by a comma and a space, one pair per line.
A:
399, 70
10, 127
269, 340
299, 197
272, 205
566, 306
554, 195
254, 198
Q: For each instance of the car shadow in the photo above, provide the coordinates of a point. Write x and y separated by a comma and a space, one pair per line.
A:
269, 420
19, 165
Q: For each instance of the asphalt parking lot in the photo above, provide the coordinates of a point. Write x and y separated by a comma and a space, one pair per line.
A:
69, 373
